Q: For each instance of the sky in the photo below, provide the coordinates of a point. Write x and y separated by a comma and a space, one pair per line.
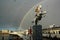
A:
52, 17
12, 13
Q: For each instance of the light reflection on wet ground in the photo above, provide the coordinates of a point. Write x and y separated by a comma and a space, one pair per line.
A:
44, 38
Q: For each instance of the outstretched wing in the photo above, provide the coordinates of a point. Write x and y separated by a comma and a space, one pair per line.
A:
38, 9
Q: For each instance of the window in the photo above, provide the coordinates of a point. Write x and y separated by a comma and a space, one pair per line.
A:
59, 32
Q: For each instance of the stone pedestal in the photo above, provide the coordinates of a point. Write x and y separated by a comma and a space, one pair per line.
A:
37, 32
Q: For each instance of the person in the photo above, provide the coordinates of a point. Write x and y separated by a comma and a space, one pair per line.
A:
3, 38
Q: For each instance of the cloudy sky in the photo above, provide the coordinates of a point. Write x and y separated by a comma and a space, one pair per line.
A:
52, 17
12, 13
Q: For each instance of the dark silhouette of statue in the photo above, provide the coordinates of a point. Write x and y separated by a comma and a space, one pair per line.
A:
39, 14
38, 18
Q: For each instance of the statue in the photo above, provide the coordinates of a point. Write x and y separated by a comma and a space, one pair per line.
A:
38, 18
37, 29
39, 14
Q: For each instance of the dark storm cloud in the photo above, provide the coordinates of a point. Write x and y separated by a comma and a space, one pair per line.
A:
12, 12
53, 12
52, 17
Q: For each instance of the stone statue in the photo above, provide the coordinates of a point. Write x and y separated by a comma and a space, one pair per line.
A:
38, 18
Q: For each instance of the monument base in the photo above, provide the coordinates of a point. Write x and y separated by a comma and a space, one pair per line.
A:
37, 32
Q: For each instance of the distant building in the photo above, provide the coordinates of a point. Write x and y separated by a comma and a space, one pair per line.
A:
54, 31
4, 34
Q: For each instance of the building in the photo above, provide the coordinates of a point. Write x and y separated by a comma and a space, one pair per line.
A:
4, 34
54, 31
